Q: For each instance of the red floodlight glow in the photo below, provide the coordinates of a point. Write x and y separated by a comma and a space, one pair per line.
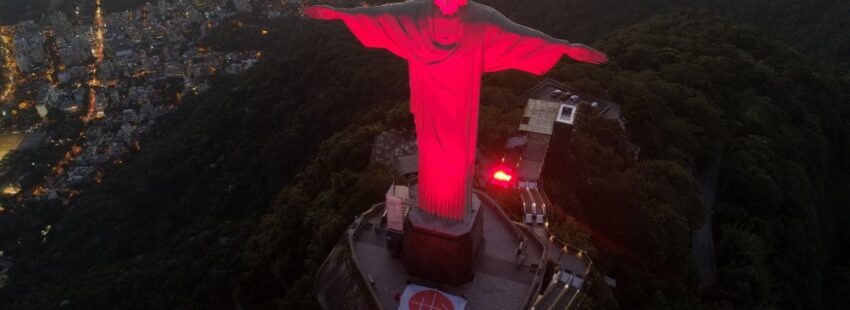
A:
502, 176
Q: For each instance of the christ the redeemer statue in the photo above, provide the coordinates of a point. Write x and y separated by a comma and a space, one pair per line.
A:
449, 44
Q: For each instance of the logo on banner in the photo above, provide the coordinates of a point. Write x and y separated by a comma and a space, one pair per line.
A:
430, 300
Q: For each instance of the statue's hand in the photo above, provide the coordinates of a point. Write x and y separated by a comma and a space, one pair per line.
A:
322, 12
585, 54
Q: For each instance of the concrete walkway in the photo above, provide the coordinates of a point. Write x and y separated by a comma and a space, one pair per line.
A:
558, 295
500, 283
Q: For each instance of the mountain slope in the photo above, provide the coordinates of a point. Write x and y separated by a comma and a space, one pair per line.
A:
820, 29
693, 86
179, 213
239, 195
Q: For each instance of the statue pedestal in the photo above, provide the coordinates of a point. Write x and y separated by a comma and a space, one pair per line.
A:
441, 250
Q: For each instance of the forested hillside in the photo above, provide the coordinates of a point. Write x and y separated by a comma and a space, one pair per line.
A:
694, 87
239, 195
819, 29
169, 228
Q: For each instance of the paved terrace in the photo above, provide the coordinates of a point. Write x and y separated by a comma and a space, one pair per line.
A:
500, 281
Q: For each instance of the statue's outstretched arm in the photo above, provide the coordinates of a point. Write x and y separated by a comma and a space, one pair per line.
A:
324, 12
375, 27
584, 53
579, 52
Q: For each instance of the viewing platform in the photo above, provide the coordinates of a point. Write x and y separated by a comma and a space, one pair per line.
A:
363, 273
503, 279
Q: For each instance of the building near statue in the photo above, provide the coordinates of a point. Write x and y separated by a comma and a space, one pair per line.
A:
398, 203
397, 206
551, 110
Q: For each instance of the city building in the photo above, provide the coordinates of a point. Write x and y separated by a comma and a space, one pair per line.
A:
551, 110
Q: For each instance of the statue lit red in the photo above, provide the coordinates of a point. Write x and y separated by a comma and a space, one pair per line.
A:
449, 44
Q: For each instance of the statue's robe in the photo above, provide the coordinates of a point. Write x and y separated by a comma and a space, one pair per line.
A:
447, 56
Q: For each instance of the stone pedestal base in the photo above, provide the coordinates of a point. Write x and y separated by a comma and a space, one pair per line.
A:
443, 251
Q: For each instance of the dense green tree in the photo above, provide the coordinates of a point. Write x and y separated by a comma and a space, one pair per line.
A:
695, 87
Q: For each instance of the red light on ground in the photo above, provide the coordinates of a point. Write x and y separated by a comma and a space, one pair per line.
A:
502, 176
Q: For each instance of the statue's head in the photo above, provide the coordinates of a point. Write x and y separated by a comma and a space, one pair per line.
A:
450, 7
